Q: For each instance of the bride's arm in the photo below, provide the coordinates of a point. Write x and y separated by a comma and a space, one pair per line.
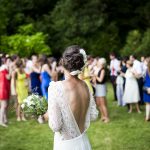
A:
46, 116
54, 112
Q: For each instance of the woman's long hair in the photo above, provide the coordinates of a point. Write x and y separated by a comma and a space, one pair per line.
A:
44, 60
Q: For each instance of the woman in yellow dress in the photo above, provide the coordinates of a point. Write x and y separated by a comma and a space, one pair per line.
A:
85, 76
21, 88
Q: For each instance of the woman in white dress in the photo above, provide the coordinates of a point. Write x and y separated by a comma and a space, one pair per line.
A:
71, 106
131, 93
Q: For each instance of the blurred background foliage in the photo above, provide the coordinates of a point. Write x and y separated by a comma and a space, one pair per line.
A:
100, 26
25, 42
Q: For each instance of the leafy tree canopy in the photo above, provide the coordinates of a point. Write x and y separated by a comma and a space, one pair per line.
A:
100, 26
25, 42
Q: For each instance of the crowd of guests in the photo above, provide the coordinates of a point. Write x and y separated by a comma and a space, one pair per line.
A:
130, 80
20, 77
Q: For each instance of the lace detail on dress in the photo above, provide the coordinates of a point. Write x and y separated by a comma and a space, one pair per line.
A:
92, 113
61, 118
54, 111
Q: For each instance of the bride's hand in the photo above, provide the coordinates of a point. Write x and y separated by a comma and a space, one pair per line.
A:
46, 116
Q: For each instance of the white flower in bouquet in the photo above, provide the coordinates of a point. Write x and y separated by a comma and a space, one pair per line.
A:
29, 98
23, 106
36, 96
32, 103
29, 103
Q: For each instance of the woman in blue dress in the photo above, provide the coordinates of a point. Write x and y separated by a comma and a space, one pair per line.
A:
35, 76
46, 74
147, 91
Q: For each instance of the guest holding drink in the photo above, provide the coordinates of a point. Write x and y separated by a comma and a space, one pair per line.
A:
101, 90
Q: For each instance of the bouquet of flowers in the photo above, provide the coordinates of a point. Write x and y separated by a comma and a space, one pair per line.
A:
34, 105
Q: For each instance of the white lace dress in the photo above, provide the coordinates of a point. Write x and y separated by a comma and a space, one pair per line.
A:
62, 122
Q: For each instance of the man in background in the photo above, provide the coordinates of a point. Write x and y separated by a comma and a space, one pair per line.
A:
114, 68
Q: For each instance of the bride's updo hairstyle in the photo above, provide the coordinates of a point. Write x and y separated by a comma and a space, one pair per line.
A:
73, 59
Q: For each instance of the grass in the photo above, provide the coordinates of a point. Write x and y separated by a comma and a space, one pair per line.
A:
124, 132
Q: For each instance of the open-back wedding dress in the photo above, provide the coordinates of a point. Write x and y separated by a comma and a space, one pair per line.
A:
62, 121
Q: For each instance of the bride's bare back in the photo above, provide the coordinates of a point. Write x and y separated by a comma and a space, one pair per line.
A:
78, 98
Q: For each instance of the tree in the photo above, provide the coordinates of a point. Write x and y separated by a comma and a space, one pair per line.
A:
144, 47
25, 42
100, 26
84, 23
133, 42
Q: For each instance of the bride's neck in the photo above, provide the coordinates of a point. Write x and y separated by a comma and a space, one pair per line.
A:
68, 76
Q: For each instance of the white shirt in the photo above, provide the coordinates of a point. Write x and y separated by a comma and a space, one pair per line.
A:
114, 67
144, 68
137, 66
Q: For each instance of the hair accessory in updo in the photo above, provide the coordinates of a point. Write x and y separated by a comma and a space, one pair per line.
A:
74, 59
82, 51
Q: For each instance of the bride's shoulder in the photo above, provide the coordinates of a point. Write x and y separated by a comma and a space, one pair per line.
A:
55, 86
55, 83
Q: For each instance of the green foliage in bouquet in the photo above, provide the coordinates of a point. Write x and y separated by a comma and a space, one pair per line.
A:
41, 106
34, 105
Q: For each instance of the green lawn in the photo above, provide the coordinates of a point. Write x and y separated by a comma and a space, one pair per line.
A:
124, 132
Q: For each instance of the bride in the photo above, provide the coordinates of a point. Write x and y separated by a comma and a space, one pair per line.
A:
71, 107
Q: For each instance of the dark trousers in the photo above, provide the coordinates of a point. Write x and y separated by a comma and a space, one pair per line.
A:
140, 84
113, 81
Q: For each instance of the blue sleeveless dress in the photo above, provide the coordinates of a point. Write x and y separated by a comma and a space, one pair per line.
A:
147, 84
35, 83
46, 79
